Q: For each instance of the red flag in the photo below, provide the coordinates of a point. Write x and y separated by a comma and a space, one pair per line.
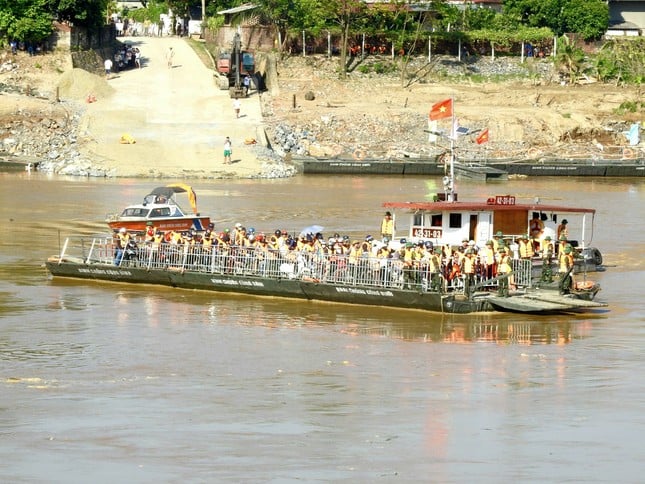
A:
441, 110
483, 137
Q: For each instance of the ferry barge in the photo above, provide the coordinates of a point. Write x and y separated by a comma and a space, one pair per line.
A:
309, 276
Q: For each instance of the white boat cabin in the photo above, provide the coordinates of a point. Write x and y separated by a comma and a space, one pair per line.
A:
452, 222
152, 211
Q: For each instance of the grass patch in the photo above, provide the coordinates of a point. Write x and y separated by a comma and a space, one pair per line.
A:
629, 107
200, 49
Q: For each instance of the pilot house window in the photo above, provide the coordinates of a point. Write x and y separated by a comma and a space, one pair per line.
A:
455, 220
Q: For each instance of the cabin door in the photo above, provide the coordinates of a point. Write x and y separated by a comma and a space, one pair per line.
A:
511, 222
472, 229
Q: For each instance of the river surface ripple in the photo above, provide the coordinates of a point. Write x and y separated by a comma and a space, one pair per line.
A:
106, 382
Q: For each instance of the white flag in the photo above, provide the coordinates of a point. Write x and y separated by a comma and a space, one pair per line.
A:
432, 127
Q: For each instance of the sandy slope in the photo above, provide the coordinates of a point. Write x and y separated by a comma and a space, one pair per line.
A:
177, 116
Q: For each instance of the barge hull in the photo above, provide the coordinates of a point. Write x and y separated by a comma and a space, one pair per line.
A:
290, 288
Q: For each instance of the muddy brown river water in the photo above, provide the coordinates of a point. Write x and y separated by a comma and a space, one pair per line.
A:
104, 382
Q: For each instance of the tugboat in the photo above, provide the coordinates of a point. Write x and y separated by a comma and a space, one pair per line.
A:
161, 208
501, 218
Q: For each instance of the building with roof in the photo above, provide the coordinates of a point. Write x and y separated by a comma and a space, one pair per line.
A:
626, 18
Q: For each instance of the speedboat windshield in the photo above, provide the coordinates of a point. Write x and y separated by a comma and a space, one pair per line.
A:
135, 212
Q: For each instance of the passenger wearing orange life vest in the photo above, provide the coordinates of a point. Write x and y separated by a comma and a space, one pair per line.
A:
238, 234
121, 242
150, 233
409, 255
547, 249
387, 228
563, 242
355, 253
208, 237
176, 238
488, 260
536, 228
435, 269
503, 268
498, 239
525, 247
468, 264
158, 239
154, 245
566, 270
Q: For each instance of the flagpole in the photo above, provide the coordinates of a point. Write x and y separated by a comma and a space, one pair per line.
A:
451, 194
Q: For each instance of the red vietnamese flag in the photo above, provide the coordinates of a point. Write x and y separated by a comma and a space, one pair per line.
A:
441, 110
483, 137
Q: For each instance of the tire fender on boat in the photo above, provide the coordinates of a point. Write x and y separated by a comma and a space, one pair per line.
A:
592, 256
359, 154
628, 153
585, 285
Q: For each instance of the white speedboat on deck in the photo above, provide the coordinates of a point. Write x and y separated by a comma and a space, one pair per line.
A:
161, 208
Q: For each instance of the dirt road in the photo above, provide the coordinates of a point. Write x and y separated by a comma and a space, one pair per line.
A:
178, 117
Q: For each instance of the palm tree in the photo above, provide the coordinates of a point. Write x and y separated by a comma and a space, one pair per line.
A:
570, 59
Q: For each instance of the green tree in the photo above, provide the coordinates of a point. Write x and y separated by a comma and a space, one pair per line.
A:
342, 15
534, 13
589, 18
291, 16
478, 18
82, 13
150, 12
25, 20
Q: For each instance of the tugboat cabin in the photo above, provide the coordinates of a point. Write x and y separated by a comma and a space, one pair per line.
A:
450, 222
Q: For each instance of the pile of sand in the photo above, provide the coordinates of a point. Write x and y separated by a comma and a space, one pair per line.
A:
78, 84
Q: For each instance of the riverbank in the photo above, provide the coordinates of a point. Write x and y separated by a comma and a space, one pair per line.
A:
178, 119
154, 122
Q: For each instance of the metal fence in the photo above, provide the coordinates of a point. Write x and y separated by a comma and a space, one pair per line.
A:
263, 261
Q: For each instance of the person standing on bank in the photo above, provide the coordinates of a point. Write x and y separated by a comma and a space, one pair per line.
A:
108, 67
247, 85
237, 104
228, 151
169, 56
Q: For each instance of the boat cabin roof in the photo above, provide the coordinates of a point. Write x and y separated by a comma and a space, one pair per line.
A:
489, 206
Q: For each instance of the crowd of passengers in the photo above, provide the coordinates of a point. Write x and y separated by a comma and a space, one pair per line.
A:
337, 259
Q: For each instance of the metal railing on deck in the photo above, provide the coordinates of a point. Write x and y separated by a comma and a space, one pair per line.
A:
265, 262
